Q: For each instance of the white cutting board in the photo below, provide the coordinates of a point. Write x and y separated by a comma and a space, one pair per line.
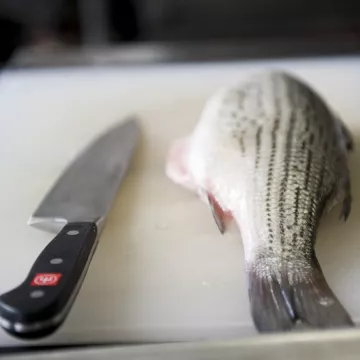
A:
162, 272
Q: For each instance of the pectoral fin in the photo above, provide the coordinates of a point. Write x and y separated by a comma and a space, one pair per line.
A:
346, 133
349, 141
341, 194
217, 212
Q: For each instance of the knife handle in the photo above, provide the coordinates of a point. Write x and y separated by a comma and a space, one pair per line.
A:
41, 303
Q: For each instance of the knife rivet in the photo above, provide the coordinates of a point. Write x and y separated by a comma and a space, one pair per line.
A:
72, 232
37, 294
56, 261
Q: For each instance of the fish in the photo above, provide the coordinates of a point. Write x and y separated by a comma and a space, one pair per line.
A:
269, 153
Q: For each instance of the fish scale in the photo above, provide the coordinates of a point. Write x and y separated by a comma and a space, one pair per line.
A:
272, 153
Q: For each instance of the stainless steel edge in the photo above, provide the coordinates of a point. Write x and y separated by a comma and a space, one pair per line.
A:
321, 345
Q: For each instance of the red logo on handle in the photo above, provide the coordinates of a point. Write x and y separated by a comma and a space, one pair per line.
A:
46, 279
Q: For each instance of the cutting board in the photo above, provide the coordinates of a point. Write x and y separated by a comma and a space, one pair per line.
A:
162, 272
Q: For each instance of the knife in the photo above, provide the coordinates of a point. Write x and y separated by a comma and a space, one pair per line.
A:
75, 209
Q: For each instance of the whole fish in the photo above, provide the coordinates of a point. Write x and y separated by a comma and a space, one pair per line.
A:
269, 153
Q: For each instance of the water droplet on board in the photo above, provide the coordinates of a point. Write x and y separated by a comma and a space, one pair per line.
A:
205, 283
161, 225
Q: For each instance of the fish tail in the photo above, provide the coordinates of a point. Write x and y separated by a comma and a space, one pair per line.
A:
277, 303
315, 304
270, 302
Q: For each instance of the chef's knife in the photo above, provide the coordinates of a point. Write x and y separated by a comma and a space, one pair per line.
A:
75, 208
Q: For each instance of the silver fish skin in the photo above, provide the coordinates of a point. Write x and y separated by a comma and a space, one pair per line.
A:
270, 153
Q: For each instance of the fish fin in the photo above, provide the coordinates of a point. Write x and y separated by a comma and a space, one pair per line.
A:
341, 194
217, 212
344, 188
270, 303
348, 138
346, 206
315, 304
349, 141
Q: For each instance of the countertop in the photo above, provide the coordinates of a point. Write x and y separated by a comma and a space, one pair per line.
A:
161, 271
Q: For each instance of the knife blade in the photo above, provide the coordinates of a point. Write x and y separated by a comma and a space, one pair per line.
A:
75, 209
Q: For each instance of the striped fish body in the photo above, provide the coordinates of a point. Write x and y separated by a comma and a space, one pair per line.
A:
271, 153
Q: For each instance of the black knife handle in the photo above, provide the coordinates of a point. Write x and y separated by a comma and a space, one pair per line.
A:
41, 303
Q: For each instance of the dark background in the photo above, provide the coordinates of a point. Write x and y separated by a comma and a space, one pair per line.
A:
81, 23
